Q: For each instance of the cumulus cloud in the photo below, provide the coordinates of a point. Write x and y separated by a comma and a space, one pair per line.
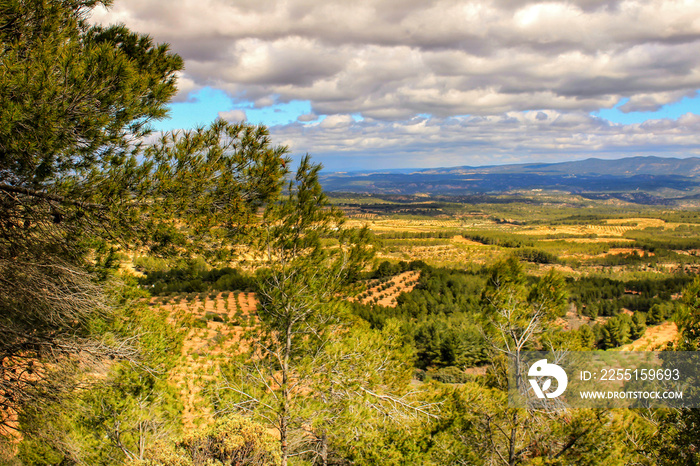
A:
185, 87
393, 60
307, 117
336, 121
500, 81
233, 115
484, 140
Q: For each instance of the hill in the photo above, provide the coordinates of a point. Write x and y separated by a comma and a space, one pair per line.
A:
626, 167
643, 180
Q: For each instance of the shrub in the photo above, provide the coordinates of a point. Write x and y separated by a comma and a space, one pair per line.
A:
231, 440
449, 375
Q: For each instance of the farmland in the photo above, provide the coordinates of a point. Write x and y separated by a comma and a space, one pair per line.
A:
573, 234
600, 248
621, 268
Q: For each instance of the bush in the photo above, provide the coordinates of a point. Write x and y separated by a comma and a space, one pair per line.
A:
449, 375
231, 440
213, 316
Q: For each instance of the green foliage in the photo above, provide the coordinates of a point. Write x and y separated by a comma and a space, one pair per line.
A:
517, 312
637, 326
115, 416
299, 311
537, 256
654, 239
498, 239
581, 339
362, 393
449, 341
73, 93
184, 278
478, 428
586, 337
615, 332
76, 183
657, 313
449, 374
388, 269
688, 319
440, 316
675, 442
231, 440
607, 296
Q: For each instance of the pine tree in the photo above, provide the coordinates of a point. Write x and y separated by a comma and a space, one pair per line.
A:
638, 326
306, 365
656, 314
77, 182
615, 332
675, 443
518, 314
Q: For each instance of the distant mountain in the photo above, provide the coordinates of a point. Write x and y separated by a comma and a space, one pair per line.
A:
647, 180
629, 166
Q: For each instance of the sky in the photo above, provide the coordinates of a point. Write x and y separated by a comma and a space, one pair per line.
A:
378, 84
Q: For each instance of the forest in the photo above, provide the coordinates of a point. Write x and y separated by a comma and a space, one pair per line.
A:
196, 298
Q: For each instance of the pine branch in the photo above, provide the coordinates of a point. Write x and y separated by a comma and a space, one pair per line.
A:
50, 197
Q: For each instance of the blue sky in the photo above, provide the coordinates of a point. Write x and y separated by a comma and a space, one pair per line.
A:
387, 84
203, 106
669, 111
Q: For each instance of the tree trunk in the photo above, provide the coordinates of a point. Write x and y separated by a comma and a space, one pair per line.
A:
283, 436
512, 459
324, 449
284, 407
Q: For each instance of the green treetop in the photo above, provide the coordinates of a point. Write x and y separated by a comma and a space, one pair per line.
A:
75, 173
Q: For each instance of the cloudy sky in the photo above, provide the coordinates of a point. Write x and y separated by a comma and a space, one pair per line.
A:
368, 84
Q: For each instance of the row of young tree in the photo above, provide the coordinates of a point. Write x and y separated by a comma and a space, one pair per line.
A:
444, 317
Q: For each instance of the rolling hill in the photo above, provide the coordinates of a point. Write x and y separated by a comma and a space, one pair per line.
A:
645, 180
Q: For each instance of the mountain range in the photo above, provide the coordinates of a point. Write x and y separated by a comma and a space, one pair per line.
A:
647, 180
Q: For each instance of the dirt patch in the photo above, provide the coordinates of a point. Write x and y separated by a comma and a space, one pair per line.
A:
384, 292
654, 338
215, 325
462, 240
620, 251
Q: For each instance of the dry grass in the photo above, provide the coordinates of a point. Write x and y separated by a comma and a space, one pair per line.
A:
640, 221
654, 338
572, 320
462, 240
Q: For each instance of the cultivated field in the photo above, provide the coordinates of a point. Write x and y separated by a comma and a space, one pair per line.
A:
215, 325
385, 291
457, 237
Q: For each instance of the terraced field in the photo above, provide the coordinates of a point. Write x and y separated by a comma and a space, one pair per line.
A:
384, 292
215, 327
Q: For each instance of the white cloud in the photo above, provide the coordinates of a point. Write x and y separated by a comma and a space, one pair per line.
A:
507, 138
233, 115
336, 121
388, 59
307, 117
185, 86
